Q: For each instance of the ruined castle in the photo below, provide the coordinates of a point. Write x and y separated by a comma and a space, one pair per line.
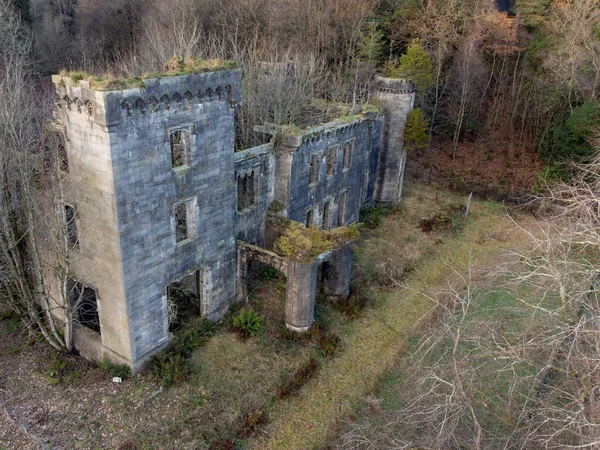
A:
160, 197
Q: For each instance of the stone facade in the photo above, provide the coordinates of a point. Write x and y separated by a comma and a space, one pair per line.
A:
160, 195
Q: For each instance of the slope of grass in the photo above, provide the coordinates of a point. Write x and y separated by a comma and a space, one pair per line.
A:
376, 341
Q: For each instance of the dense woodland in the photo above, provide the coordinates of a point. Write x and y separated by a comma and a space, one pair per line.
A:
505, 88
531, 76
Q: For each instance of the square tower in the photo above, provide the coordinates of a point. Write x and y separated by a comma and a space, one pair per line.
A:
152, 203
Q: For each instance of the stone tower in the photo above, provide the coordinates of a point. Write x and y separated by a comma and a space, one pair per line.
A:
153, 203
397, 98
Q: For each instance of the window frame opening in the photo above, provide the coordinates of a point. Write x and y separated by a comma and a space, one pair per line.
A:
330, 162
246, 191
71, 228
180, 212
342, 208
347, 157
184, 300
314, 169
327, 216
364, 188
63, 157
310, 218
84, 303
179, 144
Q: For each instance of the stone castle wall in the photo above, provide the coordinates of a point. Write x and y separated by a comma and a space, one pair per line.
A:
97, 260
397, 98
357, 181
126, 187
260, 163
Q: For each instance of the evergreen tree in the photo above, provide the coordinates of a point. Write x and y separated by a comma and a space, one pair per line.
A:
414, 65
571, 139
370, 44
415, 132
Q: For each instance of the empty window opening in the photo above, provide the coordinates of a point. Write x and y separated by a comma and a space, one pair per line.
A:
181, 222
331, 162
71, 224
184, 301
246, 191
342, 208
84, 303
180, 152
364, 189
325, 271
347, 155
309, 218
55, 153
61, 150
327, 215
315, 168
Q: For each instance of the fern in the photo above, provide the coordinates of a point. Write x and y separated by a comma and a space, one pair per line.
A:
248, 322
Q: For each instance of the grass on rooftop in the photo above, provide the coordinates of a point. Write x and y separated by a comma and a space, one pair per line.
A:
176, 66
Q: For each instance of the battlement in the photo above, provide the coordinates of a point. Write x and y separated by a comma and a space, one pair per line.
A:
293, 136
385, 85
109, 106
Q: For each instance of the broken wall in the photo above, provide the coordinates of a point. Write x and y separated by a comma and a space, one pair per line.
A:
251, 220
346, 188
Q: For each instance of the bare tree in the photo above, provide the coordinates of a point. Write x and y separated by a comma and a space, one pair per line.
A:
278, 91
519, 369
34, 242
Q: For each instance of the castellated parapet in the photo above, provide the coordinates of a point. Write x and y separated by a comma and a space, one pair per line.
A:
128, 188
397, 98
161, 197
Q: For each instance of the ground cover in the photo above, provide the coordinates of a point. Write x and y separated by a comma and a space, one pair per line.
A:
274, 390
374, 342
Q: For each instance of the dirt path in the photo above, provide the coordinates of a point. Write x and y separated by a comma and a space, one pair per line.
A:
375, 342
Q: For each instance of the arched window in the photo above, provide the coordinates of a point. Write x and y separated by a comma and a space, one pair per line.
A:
309, 218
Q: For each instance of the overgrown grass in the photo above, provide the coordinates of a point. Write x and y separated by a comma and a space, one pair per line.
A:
374, 342
381, 423
228, 395
172, 366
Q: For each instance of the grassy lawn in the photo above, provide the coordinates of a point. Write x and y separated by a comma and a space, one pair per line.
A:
233, 397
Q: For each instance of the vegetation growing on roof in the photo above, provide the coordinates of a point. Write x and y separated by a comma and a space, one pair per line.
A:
276, 206
304, 244
176, 66
291, 130
185, 65
343, 118
372, 107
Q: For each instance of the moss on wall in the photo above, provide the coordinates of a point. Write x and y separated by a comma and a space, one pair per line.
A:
303, 244
176, 66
